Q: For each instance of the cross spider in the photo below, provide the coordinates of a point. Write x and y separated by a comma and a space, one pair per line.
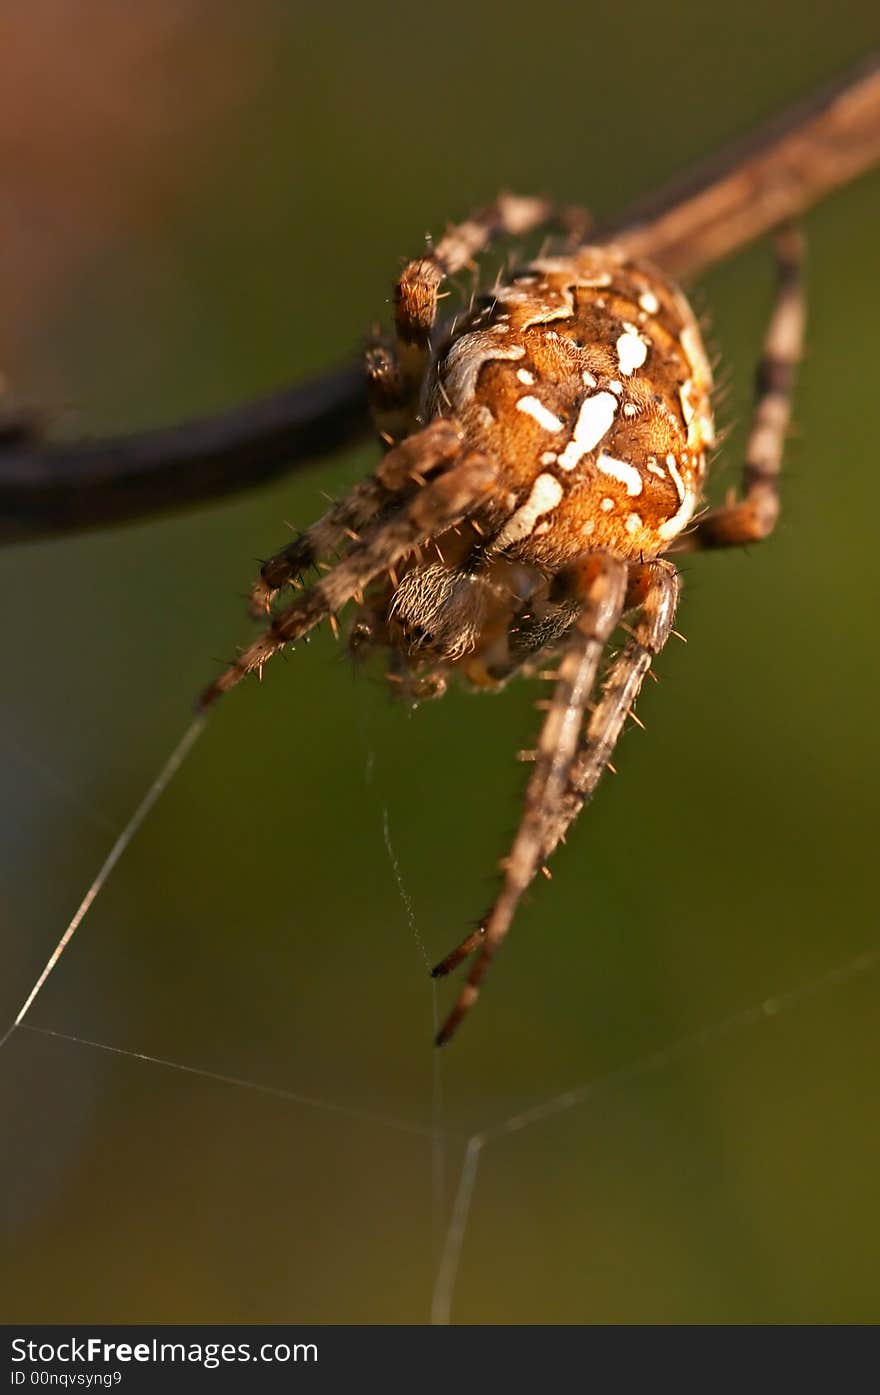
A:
546, 448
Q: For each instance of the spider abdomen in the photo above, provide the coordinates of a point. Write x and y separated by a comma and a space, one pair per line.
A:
584, 380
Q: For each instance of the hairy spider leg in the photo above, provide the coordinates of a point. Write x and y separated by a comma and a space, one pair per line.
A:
754, 516
438, 504
654, 588
600, 581
406, 466
396, 371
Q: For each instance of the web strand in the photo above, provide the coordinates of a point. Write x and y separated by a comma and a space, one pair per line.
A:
157, 788
438, 1136
447, 1274
364, 1116
449, 1261
766, 1010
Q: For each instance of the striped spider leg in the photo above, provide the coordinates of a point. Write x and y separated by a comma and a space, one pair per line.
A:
397, 373
413, 461
599, 583
433, 506
568, 766
566, 775
754, 516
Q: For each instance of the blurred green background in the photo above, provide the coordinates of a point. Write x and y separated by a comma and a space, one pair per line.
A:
202, 201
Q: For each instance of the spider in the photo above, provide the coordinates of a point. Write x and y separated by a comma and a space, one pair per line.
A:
545, 452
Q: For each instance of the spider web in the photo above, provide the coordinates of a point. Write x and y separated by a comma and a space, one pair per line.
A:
451, 1213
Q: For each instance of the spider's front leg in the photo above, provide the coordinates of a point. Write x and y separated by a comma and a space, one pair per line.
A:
600, 581
436, 504
417, 292
754, 516
407, 466
396, 372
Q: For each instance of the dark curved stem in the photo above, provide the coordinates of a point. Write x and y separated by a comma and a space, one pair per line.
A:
714, 209
48, 488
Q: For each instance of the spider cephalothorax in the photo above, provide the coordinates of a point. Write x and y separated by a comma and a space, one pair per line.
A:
545, 449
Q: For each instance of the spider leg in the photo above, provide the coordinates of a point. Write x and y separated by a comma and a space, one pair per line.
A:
416, 293
439, 504
396, 376
754, 516
601, 583
407, 465
654, 589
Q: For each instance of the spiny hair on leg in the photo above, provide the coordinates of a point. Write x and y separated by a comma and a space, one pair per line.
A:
403, 469
439, 504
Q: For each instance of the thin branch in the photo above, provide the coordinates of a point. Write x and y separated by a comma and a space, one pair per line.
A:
775, 174
48, 488
716, 208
